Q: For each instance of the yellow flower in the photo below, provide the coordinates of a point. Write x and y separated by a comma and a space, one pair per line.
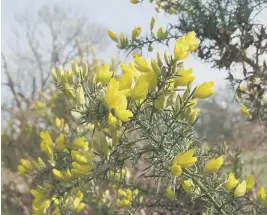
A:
214, 165
113, 98
188, 186
192, 41
39, 206
80, 143
121, 193
123, 115
123, 202
176, 170
170, 193
45, 136
103, 75
26, 164
60, 144
129, 194
240, 190
160, 102
261, 194
130, 69
186, 159
244, 110
180, 49
80, 169
113, 36
250, 182
58, 174
81, 157
232, 182
116, 100
185, 77
125, 81
77, 200
151, 78
140, 91
142, 65
47, 143
204, 90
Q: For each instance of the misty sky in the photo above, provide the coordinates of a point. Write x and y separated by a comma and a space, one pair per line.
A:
116, 15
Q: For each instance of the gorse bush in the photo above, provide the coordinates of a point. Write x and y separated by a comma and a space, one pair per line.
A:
136, 152
232, 38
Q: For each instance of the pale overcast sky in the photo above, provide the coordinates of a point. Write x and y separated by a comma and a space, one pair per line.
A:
116, 15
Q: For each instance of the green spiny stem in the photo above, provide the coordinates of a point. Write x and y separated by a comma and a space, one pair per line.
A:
205, 190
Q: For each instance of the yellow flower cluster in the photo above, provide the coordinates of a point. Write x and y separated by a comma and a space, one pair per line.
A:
81, 164
41, 198
184, 45
67, 80
77, 203
82, 158
240, 188
27, 167
142, 77
126, 197
184, 160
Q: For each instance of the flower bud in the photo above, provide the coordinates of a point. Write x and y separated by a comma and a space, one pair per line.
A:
80, 96
152, 22
113, 36
54, 74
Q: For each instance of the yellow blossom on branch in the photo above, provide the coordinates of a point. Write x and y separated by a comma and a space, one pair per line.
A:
186, 159
214, 165
185, 77
240, 190
232, 182
204, 90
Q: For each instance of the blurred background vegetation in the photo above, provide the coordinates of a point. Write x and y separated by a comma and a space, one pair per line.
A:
56, 36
